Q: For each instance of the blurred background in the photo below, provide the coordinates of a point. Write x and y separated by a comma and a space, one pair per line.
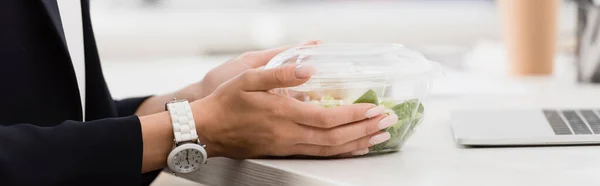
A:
192, 36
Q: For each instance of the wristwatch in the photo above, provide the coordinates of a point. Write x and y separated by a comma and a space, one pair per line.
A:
188, 154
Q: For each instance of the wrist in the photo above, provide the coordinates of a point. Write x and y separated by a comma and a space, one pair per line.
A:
157, 136
203, 118
202, 89
189, 93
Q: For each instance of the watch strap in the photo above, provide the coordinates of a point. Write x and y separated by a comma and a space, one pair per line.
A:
184, 127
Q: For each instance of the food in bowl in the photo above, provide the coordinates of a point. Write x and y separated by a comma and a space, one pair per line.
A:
383, 74
409, 112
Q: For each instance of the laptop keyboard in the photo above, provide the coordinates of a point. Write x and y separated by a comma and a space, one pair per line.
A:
592, 119
570, 122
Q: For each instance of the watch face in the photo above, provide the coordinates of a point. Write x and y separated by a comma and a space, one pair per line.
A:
187, 158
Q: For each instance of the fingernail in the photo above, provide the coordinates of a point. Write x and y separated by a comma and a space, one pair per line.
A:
305, 71
379, 138
374, 111
359, 152
388, 121
312, 42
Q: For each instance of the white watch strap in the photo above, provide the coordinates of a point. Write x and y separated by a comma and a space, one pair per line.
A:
184, 127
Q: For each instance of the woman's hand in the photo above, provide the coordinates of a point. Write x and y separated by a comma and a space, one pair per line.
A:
224, 72
213, 79
241, 119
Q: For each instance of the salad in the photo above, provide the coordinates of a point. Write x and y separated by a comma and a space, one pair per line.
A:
409, 112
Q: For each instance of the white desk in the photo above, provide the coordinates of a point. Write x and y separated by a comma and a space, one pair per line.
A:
430, 157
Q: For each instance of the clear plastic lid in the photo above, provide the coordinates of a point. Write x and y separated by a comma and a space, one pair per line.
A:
357, 64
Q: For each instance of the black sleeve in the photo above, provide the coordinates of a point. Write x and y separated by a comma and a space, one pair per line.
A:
127, 107
101, 152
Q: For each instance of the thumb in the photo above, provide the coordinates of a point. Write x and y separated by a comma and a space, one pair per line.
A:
280, 77
261, 58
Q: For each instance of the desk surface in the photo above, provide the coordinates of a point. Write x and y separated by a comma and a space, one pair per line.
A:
431, 157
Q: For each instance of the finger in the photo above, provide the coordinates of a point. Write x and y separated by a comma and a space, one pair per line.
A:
356, 145
311, 42
316, 116
280, 77
261, 58
354, 153
346, 133
270, 53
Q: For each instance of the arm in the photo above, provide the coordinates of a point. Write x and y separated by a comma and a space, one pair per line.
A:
108, 151
128, 107
156, 104
210, 82
72, 153
114, 151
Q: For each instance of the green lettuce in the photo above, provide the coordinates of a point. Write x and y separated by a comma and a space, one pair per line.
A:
368, 97
409, 115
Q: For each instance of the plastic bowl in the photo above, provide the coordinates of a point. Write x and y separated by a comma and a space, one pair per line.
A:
384, 74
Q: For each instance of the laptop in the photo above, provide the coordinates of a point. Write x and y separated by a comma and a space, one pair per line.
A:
526, 127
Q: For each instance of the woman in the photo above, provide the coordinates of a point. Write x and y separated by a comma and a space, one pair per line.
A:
60, 126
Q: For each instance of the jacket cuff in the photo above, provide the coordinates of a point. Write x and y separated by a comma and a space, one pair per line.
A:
119, 142
128, 107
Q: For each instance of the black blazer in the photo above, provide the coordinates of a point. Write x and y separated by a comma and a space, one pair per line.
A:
42, 138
